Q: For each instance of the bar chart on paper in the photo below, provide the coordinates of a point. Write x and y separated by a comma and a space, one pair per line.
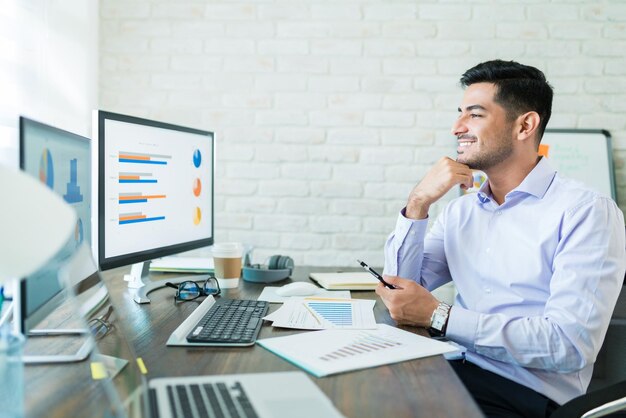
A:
332, 351
324, 313
364, 343
337, 313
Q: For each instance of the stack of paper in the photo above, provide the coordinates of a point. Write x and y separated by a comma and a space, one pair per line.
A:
345, 280
323, 313
334, 351
269, 294
183, 264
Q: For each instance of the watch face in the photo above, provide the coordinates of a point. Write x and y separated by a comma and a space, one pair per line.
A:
438, 322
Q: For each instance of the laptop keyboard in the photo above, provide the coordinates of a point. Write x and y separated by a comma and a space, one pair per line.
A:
230, 322
210, 400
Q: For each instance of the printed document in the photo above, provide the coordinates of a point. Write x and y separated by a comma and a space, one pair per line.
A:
332, 351
324, 313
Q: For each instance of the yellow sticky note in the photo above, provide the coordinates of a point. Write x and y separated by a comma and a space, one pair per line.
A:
98, 371
142, 366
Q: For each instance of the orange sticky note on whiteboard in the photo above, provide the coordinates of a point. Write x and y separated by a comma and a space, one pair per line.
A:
543, 150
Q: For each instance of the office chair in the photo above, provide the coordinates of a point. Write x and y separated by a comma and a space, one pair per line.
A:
606, 402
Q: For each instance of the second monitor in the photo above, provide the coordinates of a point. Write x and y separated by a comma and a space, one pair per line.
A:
155, 191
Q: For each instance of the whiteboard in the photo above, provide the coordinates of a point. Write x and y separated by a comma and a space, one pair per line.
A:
582, 154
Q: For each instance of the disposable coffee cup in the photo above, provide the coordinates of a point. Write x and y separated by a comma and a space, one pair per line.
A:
227, 263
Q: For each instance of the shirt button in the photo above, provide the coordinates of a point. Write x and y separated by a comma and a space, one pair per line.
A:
487, 289
499, 212
487, 250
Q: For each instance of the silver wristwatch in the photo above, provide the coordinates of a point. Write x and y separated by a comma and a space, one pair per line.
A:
439, 320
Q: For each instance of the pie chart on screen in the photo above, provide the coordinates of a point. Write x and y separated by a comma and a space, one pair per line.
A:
197, 216
46, 169
197, 187
197, 158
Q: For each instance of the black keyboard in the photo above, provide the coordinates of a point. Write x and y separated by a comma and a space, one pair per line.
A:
230, 322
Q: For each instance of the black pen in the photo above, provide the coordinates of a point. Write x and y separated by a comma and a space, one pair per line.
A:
375, 274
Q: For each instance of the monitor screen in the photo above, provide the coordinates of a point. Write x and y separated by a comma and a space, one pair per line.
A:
62, 161
155, 189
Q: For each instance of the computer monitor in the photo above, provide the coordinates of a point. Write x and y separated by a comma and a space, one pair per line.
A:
155, 192
62, 161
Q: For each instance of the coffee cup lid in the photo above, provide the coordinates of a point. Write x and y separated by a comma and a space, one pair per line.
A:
227, 249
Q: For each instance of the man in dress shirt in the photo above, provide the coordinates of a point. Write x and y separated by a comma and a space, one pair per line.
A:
538, 260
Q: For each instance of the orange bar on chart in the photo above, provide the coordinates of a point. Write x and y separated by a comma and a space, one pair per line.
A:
156, 196
133, 157
129, 218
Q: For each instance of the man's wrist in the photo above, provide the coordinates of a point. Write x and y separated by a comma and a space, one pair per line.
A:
418, 205
416, 211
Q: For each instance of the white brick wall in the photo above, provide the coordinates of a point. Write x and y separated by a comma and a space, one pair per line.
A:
327, 113
49, 66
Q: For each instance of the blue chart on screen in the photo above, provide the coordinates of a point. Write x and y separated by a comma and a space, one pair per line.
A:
73, 190
337, 313
197, 158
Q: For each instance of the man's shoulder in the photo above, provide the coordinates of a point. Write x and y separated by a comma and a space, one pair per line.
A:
571, 190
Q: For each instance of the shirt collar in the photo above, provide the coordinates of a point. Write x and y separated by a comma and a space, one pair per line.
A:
536, 182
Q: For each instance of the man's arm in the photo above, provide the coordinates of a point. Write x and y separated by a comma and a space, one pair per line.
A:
411, 303
404, 248
588, 269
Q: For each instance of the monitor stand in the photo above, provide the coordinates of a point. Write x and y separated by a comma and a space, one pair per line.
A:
139, 279
81, 354
95, 301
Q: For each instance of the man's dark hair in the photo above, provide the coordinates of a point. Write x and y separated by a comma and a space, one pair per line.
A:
520, 88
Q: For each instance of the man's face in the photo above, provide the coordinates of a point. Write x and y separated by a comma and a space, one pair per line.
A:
484, 133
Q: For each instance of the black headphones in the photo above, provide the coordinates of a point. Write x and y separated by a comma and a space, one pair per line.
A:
279, 267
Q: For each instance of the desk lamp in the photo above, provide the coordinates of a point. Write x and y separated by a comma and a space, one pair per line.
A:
35, 224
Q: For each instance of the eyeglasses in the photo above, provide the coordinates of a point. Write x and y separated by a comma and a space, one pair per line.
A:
189, 290
100, 326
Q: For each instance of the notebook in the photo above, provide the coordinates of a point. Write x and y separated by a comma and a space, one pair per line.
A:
345, 280
132, 394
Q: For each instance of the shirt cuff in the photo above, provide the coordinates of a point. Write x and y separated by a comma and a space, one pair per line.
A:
407, 234
462, 326
406, 226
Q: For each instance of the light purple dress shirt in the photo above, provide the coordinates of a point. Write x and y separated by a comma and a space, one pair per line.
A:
537, 277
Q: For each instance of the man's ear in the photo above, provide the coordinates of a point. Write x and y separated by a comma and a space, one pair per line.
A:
527, 125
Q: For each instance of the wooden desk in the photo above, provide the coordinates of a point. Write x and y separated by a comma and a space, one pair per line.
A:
425, 387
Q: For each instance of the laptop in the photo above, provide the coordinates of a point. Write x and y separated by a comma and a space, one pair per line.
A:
132, 394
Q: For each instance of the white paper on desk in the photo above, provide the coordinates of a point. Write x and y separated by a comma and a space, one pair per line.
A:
183, 264
325, 313
269, 294
327, 352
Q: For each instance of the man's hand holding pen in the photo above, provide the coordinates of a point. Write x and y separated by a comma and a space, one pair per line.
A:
409, 303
